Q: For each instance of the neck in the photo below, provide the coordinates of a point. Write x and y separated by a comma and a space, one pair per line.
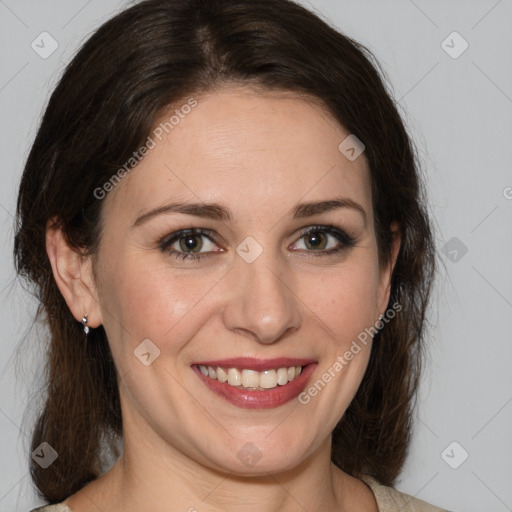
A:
153, 475
153, 483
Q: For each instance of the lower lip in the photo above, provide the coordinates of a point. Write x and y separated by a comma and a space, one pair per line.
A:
268, 399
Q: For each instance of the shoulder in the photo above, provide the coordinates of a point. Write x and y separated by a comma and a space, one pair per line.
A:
390, 500
59, 507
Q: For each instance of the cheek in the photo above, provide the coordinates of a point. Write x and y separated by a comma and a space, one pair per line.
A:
346, 301
345, 306
144, 300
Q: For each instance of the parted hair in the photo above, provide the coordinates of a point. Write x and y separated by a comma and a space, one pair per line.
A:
137, 65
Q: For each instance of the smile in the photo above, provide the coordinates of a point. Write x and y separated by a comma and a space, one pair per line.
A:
252, 379
254, 383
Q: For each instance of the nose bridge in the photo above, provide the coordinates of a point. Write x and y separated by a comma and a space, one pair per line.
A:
263, 304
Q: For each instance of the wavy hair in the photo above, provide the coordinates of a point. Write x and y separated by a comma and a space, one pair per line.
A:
127, 74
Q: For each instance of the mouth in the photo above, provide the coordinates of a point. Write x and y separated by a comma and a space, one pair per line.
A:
253, 383
252, 379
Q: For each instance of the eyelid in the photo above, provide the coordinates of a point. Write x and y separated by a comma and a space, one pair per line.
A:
176, 235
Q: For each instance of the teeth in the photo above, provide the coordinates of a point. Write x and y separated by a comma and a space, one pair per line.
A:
268, 379
282, 376
251, 379
234, 377
221, 375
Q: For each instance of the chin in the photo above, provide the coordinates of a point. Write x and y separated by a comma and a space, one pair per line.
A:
263, 455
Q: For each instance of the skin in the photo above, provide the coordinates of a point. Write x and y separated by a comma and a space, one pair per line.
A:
259, 155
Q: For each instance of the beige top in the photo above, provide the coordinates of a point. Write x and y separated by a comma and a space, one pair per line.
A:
388, 500
391, 500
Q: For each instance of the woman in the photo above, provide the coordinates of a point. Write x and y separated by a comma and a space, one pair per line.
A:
224, 222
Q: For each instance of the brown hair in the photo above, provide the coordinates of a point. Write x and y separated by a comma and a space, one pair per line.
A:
126, 75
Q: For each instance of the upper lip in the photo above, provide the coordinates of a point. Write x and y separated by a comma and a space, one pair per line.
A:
253, 363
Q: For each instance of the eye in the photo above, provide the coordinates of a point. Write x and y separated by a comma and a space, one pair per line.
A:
323, 240
190, 243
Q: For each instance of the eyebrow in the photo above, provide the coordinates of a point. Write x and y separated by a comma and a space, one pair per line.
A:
218, 212
315, 208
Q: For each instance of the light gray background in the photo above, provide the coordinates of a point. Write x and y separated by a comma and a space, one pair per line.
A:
459, 112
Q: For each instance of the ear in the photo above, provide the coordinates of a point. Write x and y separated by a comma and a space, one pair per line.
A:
386, 270
73, 273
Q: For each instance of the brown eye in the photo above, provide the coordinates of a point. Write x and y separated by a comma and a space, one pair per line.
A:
316, 240
192, 243
323, 240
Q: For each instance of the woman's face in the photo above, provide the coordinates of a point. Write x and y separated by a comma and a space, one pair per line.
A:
278, 268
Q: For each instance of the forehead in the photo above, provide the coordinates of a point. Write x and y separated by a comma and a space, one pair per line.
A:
256, 152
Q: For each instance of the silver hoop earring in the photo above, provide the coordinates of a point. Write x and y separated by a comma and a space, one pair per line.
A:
84, 324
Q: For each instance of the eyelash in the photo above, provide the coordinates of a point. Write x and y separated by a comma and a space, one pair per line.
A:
346, 241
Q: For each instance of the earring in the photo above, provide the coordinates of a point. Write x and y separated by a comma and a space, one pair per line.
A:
84, 323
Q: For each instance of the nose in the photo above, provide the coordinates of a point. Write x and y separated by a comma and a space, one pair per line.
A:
262, 304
